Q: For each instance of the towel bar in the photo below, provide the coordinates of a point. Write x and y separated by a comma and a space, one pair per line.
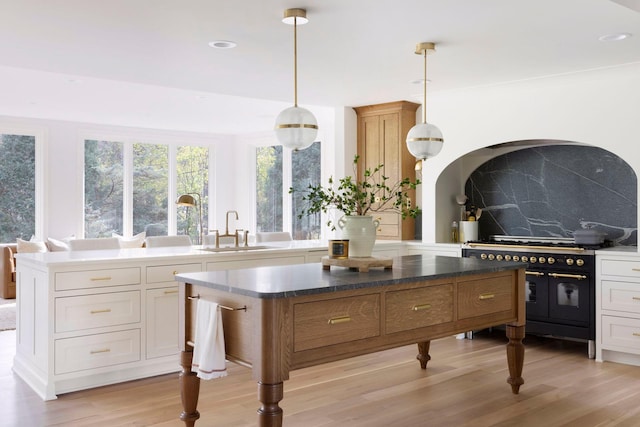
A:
244, 308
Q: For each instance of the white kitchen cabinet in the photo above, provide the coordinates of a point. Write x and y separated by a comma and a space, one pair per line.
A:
618, 307
443, 249
162, 322
111, 316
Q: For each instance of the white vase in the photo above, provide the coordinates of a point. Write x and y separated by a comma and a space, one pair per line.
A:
361, 233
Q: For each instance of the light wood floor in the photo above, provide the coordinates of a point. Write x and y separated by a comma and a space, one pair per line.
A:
464, 385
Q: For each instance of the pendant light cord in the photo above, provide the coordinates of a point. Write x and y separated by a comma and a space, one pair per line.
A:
295, 61
424, 105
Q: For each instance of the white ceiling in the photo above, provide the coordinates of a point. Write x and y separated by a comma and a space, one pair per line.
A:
147, 62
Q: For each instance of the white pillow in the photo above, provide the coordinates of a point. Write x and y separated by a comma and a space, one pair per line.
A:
30, 246
56, 245
132, 242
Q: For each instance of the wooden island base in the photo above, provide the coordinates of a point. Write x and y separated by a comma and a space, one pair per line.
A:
293, 330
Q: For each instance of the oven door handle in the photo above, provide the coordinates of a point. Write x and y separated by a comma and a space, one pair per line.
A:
570, 276
533, 273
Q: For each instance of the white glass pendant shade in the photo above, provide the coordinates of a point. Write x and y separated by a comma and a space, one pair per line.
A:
296, 128
424, 140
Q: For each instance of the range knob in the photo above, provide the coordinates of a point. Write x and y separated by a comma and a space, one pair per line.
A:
483, 256
579, 262
542, 260
569, 261
516, 258
533, 259
499, 257
524, 258
507, 257
491, 257
551, 260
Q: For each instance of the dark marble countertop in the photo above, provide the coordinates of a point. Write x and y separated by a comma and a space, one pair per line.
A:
305, 279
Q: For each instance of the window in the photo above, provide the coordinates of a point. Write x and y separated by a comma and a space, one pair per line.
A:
17, 187
128, 189
272, 193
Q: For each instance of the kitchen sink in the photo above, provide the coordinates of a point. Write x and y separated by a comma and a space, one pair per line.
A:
236, 249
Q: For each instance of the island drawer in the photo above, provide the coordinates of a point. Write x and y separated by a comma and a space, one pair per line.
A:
97, 278
95, 311
166, 273
335, 321
616, 267
485, 296
621, 333
621, 296
96, 351
417, 308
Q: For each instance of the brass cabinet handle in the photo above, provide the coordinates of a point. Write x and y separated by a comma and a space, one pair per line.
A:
421, 307
104, 310
570, 276
533, 273
95, 279
636, 298
487, 296
102, 350
340, 319
636, 334
175, 272
174, 291
635, 269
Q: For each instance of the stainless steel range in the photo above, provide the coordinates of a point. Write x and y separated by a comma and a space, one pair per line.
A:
560, 282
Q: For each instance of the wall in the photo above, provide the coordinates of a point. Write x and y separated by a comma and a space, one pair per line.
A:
598, 107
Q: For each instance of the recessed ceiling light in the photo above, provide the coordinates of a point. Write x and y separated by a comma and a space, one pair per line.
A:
223, 44
614, 37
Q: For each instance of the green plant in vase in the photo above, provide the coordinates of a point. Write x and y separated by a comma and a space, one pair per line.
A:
359, 197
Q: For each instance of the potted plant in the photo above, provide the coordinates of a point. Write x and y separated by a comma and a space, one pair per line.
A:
357, 199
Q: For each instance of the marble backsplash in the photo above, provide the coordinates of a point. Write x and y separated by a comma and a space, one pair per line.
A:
554, 190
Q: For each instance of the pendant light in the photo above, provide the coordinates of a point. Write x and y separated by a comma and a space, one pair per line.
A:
296, 127
424, 140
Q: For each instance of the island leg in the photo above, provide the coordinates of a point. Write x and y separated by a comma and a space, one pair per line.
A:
189, 390
423, 353
515, 356
270, 414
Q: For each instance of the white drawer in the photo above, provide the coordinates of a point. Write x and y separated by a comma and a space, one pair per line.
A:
165, 273
97, 278
621, 333
95, 311
614, 267
621, 296
96, 351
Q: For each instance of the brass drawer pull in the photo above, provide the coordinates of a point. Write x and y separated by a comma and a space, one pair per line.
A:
341, 319
175, 272
487, 296
421, 307
174, 291
636, 334
635, 269
636, 298
103, 350
569, 276
96, 279
533, 273
104, 310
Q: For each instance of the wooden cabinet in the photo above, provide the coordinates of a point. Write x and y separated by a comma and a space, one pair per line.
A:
382, 132
618, 308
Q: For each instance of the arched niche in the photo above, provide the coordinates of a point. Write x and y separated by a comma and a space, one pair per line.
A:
570, 185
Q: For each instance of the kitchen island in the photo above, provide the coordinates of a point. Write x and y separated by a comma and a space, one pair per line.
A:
286, 318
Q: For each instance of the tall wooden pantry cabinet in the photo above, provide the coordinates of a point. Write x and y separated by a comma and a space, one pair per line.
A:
382, 132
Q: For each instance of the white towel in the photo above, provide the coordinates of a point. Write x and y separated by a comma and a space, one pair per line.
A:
208, 350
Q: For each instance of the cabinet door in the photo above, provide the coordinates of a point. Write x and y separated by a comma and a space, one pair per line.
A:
162, 322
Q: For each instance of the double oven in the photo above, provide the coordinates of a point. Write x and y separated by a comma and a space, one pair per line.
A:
560, 283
